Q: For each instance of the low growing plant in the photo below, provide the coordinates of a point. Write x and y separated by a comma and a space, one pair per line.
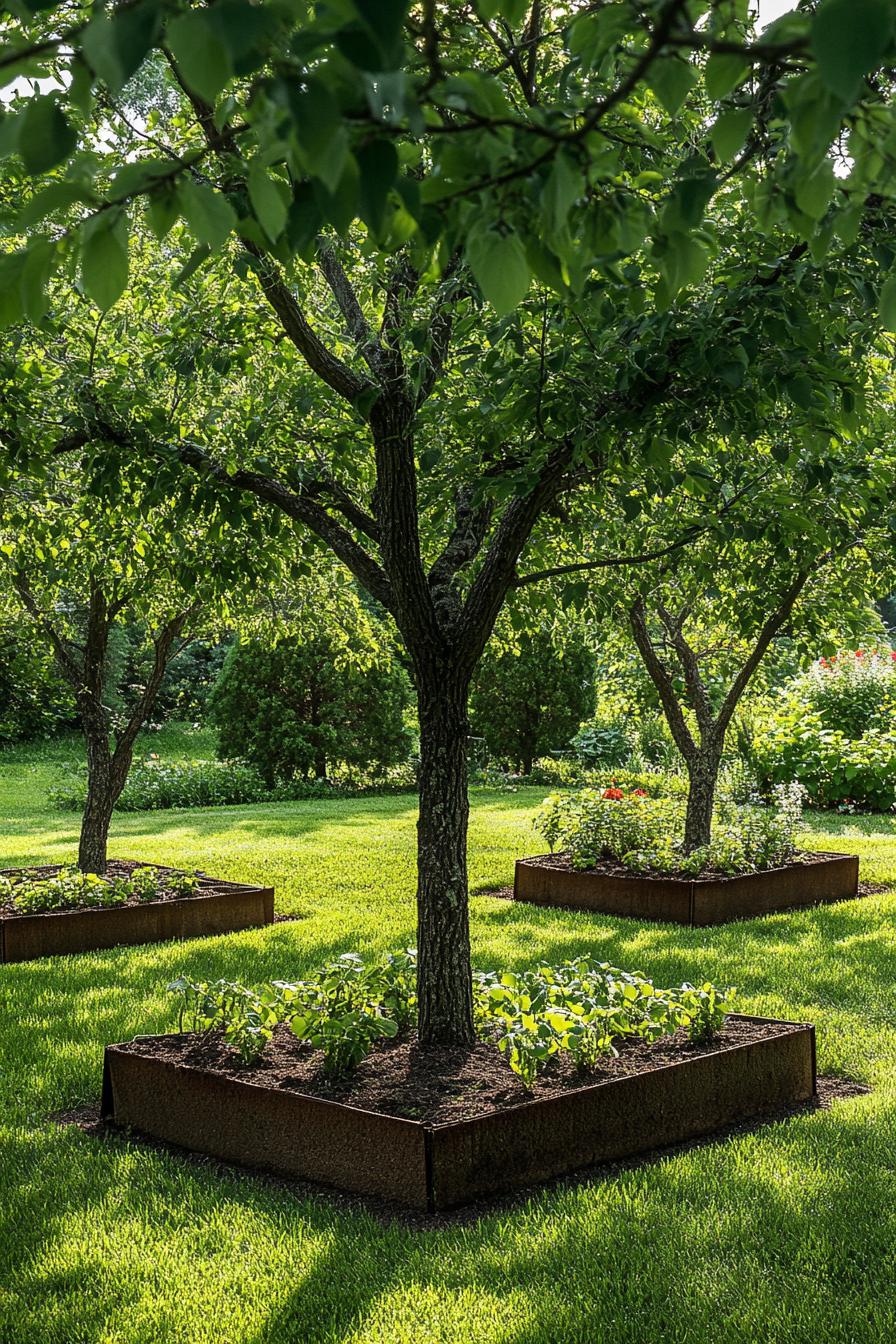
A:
70, 889
581, 1008
646, 834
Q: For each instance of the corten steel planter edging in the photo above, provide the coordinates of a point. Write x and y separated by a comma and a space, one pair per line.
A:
434, 1167
232, 906
694, 901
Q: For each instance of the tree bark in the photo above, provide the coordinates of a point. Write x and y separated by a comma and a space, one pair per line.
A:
703, 773
97, 816
444, 980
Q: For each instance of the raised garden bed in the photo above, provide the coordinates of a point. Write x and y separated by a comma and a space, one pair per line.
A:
439, 1132
550, 879
217, 907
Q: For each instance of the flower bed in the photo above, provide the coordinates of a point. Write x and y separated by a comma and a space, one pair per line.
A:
50, 910
323, 1079
622, 854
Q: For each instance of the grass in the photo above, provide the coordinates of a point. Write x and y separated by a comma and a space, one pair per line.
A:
779, 1236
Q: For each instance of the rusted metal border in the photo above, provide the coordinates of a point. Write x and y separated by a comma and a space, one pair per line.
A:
232, 906
434, 1167
697, 902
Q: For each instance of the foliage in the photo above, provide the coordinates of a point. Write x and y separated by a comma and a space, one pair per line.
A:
155, 785
342, 1010
34, 699
833, 729
835, 770
646, 834
852, 691
295, 708
359, 141
581, 1008
70, 889
530, 695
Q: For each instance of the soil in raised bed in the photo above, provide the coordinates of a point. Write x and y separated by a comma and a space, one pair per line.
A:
116, 868
804, 858
435, 1086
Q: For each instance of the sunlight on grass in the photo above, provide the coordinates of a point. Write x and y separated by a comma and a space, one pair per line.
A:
112, 1243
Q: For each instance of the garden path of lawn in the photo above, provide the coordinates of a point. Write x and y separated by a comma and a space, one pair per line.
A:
778, 1236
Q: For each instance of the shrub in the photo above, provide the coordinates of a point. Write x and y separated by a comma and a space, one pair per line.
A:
530, 698
853, 692
156, 785
580, 1008
835, 771
295, 708
34, 700
647, 834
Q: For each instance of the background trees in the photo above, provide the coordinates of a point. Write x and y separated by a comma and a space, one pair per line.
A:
531, 693
83, 572
369, 171
291, 706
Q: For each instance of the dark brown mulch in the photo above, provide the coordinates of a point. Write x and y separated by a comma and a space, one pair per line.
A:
87, 1119
397, 1078
115, 868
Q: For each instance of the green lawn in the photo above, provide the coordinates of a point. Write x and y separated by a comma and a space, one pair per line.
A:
780, 1236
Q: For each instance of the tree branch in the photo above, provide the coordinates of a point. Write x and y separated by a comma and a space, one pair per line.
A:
662, 681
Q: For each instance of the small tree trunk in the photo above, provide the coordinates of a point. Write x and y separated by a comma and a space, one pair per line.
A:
97, 816
444, 977
703, 773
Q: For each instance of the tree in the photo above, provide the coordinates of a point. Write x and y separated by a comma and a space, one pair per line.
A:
376, 165
531, 694
293, 706
797, 551
81, 573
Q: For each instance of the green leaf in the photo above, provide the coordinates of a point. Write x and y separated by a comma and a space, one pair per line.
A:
563, 187
378, 165
191, 266
887, 304
11, 266
499, 264
383, 17
814, 191
730, 132
104, 258
850, 38
162, 209
724, 71
55, 197
35, 275
45, 138
671, 80
115, 45
268, 202
202, 57
209, 214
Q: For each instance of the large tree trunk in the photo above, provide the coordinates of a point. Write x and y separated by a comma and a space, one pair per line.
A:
703, 773
444, 978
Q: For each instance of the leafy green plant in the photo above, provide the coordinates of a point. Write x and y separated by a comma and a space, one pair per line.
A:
647, 834
580, 1008
182, 883
144, 883
70, 889
157, 785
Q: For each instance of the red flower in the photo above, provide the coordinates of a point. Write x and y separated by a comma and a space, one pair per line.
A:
639, 793
859, 652
614, 794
